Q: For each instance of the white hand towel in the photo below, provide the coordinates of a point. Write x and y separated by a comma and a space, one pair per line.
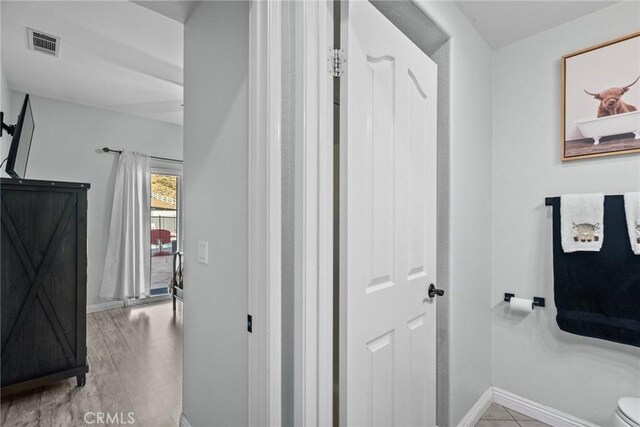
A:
632, 212
582, 222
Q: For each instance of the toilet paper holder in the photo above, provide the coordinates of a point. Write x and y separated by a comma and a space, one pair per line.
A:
537, 301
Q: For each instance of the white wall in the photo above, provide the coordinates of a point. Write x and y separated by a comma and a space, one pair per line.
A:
5, 107
65, 147
469, 211
215, 199
531, 356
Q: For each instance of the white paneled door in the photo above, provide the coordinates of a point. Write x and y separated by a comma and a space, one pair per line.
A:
387, 225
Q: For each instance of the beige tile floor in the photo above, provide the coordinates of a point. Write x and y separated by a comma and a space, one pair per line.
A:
499, 416
135, 365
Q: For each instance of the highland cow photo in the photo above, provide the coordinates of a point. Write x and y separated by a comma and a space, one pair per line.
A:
601, 99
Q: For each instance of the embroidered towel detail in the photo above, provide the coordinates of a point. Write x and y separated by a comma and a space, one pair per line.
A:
632, 212
582, 222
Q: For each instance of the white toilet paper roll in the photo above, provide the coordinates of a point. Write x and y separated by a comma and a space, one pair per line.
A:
521, 305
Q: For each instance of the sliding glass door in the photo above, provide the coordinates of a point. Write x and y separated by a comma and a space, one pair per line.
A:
165, 229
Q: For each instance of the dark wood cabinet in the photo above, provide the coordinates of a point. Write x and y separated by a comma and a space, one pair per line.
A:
44, 278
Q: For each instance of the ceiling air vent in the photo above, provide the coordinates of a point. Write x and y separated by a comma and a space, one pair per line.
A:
42, 42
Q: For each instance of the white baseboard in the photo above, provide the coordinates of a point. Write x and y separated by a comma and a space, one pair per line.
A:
537, 411
478, 409
532, 409
109, 305
183, 421
147, 300
112, 305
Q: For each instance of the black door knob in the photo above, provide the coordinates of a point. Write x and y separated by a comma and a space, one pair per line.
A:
433, 291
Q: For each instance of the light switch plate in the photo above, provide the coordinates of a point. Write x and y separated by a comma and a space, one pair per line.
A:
203, 252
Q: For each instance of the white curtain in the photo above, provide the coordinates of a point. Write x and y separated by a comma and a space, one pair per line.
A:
127, 265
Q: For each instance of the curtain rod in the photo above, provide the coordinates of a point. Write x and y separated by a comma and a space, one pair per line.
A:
109, 150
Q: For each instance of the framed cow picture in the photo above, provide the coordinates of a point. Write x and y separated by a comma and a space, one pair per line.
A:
601, 99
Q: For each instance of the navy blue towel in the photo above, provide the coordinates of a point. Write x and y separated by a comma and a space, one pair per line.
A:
597, 294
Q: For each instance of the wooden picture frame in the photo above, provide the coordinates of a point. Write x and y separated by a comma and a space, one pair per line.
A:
600, 108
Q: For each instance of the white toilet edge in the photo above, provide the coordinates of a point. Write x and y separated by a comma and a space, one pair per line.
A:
626, 420
629, 410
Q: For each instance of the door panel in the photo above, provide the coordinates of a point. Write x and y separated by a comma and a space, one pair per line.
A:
380, 390
418, 377
380, 86
387, 225
417, 129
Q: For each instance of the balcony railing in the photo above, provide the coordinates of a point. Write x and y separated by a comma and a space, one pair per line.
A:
164, 198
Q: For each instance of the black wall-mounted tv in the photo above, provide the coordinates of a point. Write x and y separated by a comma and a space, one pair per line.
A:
21, 142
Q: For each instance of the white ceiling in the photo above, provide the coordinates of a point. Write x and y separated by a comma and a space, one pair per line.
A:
504, 22
114, 55
179, 10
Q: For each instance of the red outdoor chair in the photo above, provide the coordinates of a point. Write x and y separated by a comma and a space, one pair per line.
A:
160, 237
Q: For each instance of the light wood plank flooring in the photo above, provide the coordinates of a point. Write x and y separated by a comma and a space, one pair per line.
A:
135, 365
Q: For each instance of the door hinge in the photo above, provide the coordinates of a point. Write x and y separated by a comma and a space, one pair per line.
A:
249, 323
336, 62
